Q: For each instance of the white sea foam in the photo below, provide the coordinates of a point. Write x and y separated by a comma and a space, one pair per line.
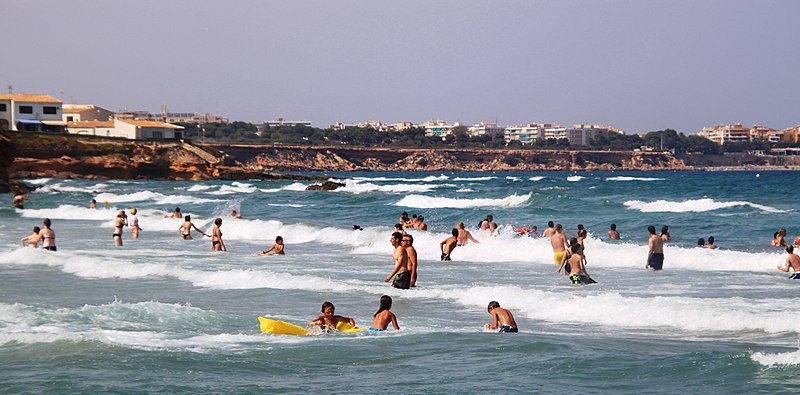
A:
357, 187
624, 178
574, 178
465, 190
199, 187
487, 178
297, 186
38, 181
768, 359
695, 205
420, 201
512, 178
380, 179
536, 178
67, 211
157, 198
65, 187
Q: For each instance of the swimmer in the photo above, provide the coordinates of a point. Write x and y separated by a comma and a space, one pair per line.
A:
176, 214
484, 225
421, 225
19, 201
502, 319
356, 227
412, 256
216, 237
401, 273
276, 249
134, 221
533, 231
701, 242
550, 229
576, 266
328, 320
710, 243
493, 231
665, 233
399, 228
93, 204
235, 214
32, 240
655, 253
612, 233
119, 222
793, 262
383, 316
48, 236
404, 220
779, 238
185, 229
449, 244
559, 243
464, 235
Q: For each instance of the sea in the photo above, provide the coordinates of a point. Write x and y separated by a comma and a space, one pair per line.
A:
165, 315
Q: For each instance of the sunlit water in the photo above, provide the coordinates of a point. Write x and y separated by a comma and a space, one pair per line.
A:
161, 314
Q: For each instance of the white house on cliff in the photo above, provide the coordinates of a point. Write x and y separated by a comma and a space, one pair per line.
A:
31, 113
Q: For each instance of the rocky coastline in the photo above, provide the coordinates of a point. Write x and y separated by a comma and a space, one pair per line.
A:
27, 155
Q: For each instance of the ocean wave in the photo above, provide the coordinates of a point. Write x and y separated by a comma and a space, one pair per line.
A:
575, 178
696, 205
38, 181
358, 187
420, 201
624, 178
61, 187
536, 178
486, 178
465, 190
156, 197
786, 358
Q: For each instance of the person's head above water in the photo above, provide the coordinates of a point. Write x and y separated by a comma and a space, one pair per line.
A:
651, 229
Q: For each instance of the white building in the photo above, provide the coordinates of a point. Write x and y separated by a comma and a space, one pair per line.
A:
85, 112
485, 129
721, 134
30, 113
526, 134
555, 132
582, 134
127, 128
438, 128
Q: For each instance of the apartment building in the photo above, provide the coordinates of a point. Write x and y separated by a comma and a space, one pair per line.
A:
127, 128
582, 134
758, 132
528, 133
31, 113
438, 128
485, 129
721, 134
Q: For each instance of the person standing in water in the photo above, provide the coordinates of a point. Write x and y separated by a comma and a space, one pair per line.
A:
559, 243
186, 228
32, 240
119, 222
408, 244
48, 236
550, 229
612, 233
134, 221
383, 316
176, 214
665, 233
19, 201
792, 262
401, 274
655, 254
449, 244
216, 237
464, 235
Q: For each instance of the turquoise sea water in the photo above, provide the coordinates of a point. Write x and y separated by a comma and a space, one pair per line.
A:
164, 315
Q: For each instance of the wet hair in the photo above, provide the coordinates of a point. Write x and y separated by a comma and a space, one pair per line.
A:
121, 213
652, 229
454, 232
489, 218
413, 215
664, 229
573, 241
404, 215
46, 222
582, 233
559, 227
94, 201
279, 238
789, 248
492, 305
701, 242
397, 235
218, 221
613, 226
710, 239
410, 239
36, 229
325, 305
580, 226
187, 218
421, 218
460, 225
575, 248
550, 224
177, 209
396, 226
386, 304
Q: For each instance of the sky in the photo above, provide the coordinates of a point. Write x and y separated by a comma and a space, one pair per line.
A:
638, 65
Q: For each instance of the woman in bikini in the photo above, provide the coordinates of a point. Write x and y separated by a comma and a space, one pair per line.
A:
216, 237
134, 221
47, 236
464, 235
119, 222
186, 228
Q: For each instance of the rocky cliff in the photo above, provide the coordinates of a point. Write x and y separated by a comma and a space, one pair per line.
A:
378, 159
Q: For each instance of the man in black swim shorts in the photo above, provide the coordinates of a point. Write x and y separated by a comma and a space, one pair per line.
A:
655, 254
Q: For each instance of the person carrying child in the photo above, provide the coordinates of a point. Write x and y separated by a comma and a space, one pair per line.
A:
383, 316
502, 319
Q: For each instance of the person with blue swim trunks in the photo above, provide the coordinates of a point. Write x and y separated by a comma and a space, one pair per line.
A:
502, 319
383, 316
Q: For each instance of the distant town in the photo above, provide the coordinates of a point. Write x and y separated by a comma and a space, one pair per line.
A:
44, 113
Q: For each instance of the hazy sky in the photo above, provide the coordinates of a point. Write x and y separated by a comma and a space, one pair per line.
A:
637, 65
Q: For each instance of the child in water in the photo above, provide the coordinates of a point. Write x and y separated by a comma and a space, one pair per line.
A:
328, 320
32, 240
383, 316
276, 249
501, 318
